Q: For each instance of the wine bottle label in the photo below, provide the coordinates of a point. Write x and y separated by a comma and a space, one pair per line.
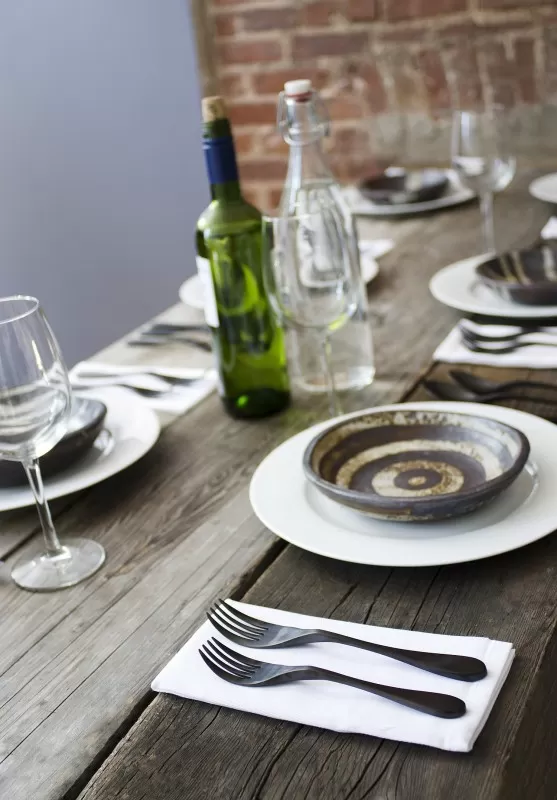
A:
221, 160
209, 299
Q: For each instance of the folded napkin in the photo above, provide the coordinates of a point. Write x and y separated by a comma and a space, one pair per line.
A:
177, 401
452, 350
341, 708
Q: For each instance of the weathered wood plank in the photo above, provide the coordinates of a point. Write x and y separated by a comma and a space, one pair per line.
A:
186, 749
75, 667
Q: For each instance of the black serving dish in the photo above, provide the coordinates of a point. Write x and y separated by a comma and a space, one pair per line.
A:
401, 188
415, 465
527, 277
85, 424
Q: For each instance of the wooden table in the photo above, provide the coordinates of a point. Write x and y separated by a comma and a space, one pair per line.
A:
77, 717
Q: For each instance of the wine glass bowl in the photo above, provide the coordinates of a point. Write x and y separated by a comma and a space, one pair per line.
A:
309, 277
35, 404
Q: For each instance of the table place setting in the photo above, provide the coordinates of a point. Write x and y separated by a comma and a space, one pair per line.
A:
213, 667
165, 389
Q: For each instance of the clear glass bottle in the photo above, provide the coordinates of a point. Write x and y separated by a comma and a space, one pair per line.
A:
310, 186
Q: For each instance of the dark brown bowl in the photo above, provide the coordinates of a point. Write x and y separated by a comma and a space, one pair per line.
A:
415, 465
406, 187
528, 277
84, 426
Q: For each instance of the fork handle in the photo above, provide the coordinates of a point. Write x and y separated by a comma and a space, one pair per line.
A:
434, 703
462, 668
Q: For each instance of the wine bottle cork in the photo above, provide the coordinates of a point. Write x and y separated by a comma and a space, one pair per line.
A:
213, 108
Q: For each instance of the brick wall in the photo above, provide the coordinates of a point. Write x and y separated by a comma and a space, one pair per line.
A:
391, 71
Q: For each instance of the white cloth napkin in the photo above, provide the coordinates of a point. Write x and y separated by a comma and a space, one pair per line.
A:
452, 350
178, 401
341, 708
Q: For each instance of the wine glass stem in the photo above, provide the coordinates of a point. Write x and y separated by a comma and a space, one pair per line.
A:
334, 405
486, 205
33, 472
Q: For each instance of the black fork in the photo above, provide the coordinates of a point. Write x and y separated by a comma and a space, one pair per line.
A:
240, 670
248, 631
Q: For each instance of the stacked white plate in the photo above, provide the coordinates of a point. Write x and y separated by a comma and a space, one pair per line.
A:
296, 511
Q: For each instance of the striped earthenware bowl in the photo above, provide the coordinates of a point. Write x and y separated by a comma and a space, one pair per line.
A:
415, 465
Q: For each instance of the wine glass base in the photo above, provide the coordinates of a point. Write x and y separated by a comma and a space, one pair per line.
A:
79, 559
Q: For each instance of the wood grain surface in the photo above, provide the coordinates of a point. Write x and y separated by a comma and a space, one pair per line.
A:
75, 666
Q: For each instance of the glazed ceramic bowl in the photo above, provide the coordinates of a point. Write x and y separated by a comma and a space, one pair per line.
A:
415, 465
84, 426
528, 277
405, 187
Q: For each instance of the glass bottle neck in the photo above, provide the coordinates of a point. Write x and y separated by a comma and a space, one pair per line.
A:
220, 158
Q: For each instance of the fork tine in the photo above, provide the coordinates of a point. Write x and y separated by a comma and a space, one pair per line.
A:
239, 656
245, 617
223, 665
250, 630
234, 664
218, 671
226, 628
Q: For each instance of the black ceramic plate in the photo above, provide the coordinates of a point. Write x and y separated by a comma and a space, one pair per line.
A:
84, 426
406, 187
413, 465
528, 277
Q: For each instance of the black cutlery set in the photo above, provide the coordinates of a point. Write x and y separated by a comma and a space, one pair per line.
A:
160, 333
244, 630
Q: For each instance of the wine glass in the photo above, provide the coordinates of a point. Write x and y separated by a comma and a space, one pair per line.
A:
309, 277
480, 158
35, 403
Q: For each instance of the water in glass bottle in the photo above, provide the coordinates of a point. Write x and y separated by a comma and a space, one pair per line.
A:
310, 187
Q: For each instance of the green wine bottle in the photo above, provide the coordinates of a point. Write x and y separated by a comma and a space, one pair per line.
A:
248, 343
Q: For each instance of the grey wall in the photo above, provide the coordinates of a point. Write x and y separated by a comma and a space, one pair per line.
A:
101, 168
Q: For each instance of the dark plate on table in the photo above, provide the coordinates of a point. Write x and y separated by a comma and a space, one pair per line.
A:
404, 187
84, 426
528, 277
415, 465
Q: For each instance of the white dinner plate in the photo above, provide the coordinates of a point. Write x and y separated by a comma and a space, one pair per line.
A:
457, 286
130, 429
295, 510
191, 291
545, 188
456, 195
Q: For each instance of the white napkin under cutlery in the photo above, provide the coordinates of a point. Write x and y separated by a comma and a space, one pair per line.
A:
453, 351
177, 401
342, 708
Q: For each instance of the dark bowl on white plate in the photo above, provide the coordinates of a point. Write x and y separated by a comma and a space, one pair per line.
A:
413, 465
405, 187
85, 424
527, 277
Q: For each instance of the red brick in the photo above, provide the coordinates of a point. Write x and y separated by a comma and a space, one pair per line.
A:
343, 107
250, 51
224, 24
410, 9
526, 71
263, 169
374, 92
491, 4
256, 195
435, 81
329, 44
267, 19
272, 142
244, 143
232, 85
362, 10
274, 197
252, 113
319, 13
273, 82
463, 74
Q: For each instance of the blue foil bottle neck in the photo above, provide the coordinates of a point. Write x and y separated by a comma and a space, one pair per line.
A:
220, 158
